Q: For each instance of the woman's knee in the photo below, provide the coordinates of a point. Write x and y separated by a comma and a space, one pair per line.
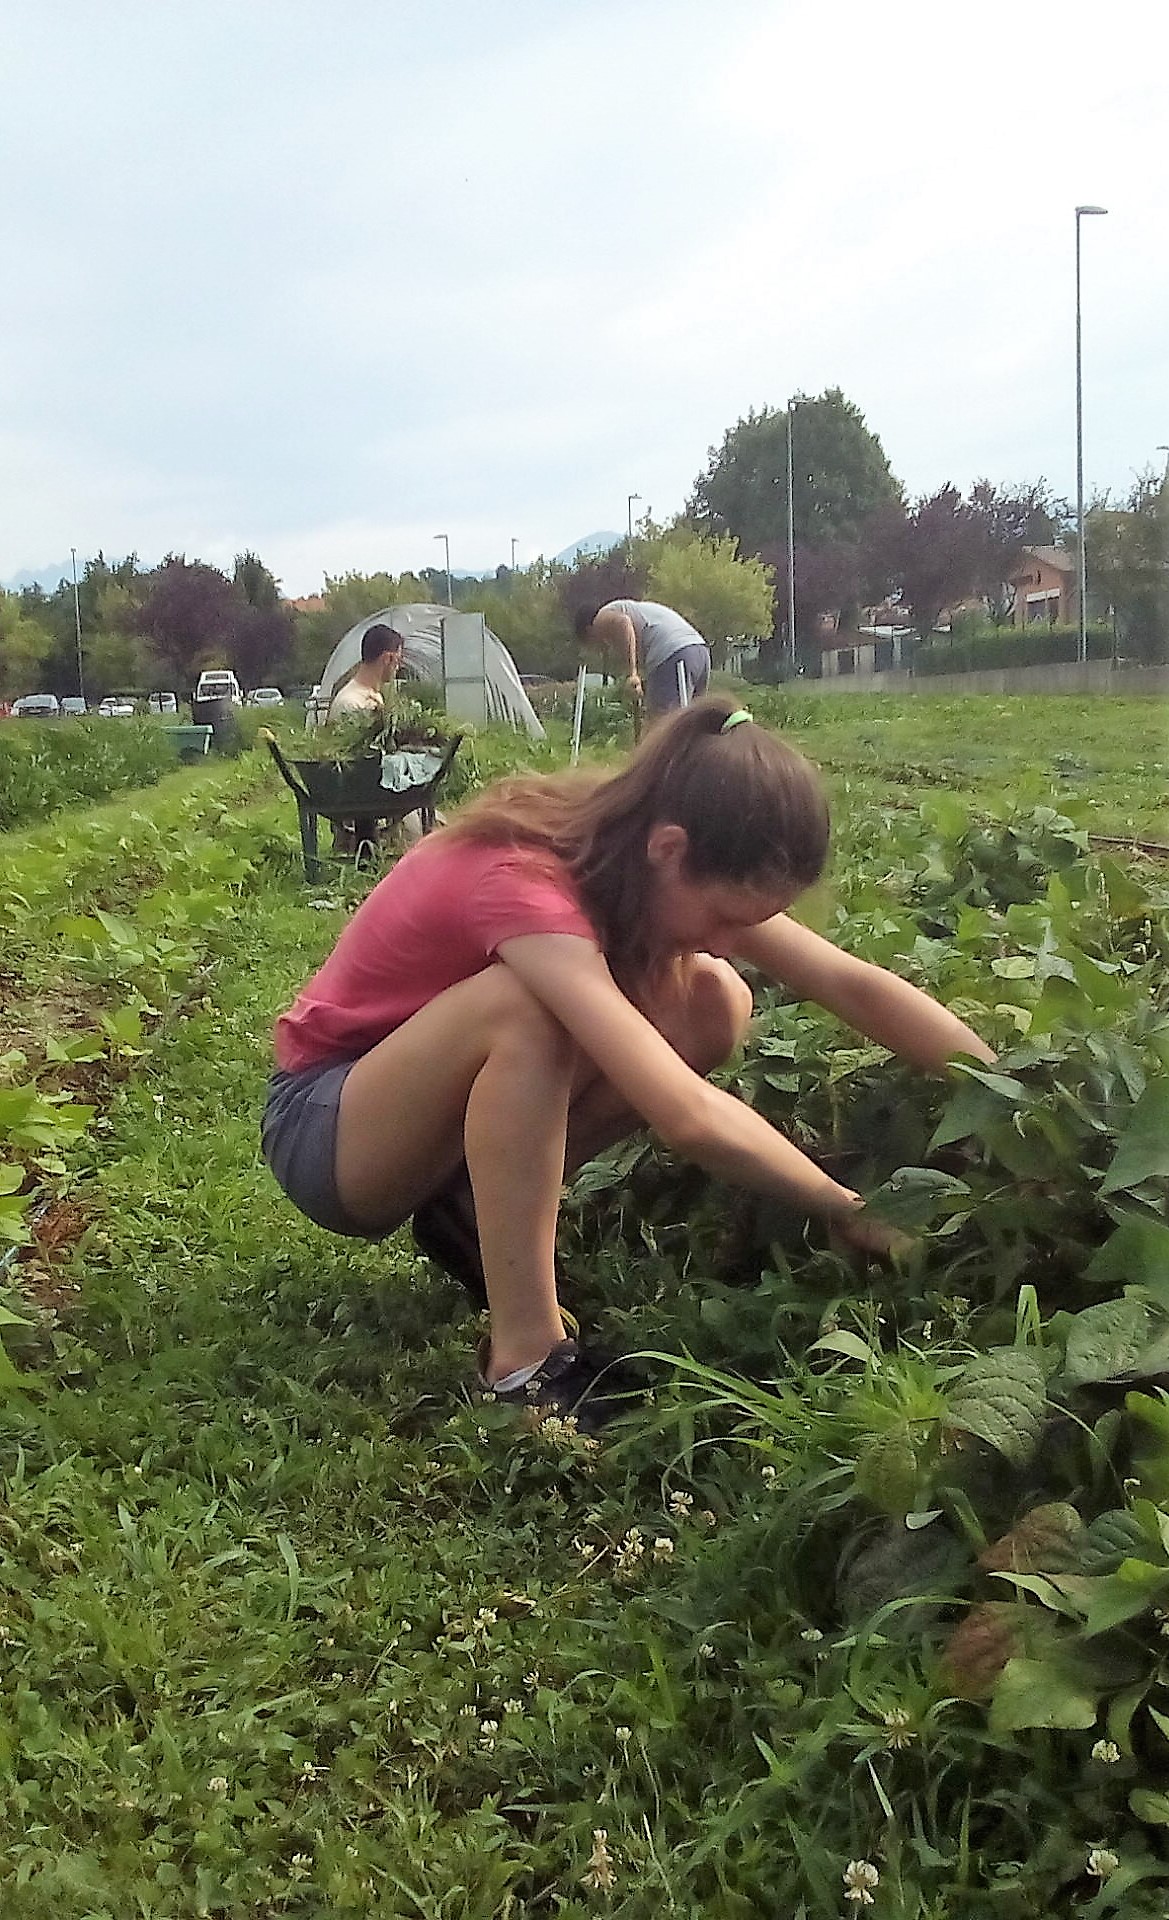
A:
519, 1018
719, 1011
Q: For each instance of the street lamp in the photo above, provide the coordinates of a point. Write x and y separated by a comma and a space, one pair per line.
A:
1082, 645
447, 550
77, 624
513, 544
791, 540
629, 513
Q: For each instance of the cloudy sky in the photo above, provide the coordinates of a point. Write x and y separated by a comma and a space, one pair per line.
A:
326, 279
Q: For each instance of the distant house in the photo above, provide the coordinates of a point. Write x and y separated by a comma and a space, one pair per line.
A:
1044, 583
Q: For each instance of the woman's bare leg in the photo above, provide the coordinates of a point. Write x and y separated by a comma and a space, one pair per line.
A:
703, 1011
483, 1069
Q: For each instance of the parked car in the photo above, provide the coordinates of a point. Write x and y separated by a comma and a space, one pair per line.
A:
265, 697
114, 708
74, 705
37, 706
162, 703
219, 683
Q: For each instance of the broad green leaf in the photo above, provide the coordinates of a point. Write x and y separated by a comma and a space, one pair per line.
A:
998, 1083
914, 1196
1040, 1693
1002, 1399
1017, 966
849, 1344
1111, 1538
1149, 1806
1105, 1342
1136, 1255
1143, 1153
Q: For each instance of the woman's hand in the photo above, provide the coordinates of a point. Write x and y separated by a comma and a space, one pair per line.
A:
865, 1233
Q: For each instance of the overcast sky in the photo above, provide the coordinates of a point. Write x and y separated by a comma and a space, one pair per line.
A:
325, 277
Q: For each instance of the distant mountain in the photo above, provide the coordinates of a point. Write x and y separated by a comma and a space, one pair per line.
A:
46, 577
590, 544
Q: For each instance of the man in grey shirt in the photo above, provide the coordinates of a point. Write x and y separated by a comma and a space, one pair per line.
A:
659, 651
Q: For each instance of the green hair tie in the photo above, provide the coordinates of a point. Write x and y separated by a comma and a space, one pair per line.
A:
735, 720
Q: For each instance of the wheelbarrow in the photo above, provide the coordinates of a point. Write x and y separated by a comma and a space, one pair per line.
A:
373, 789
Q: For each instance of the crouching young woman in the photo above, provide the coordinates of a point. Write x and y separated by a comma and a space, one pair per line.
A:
547, 974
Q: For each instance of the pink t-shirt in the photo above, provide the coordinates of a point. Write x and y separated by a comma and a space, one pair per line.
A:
437, 918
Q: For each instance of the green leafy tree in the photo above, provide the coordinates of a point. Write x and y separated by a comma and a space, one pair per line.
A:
25, 646
257, 584
841, 476
706, 581
1128, 567
529, 615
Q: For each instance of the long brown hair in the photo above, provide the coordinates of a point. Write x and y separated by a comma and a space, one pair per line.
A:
752, 808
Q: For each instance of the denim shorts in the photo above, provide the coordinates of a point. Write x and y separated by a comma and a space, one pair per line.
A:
661, 687
298, 1138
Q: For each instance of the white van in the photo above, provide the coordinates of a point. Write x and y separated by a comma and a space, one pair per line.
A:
161, 703
219, 683
37, 706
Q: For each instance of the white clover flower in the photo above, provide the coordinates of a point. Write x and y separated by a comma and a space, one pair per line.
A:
481, 1435
468, 1713
663, 1548
624, 1735
900, 1728
706, 1651
1101, 1862
681, 1505
1107, 1752
309, 1772
485, 1619
811, 1634
532, 1680
600, 1869
513, 1706
768, 1475
217, 1783
302, 1859
710, 1518
487, 1733
860, 1877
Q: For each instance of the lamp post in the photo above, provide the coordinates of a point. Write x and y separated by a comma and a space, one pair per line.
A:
77, 624
629, 513
791, 540
513, 545
446, 545
1082, 644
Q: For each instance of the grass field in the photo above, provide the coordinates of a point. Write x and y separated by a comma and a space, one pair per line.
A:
869, 1599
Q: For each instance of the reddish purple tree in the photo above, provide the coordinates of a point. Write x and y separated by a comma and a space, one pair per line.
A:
939, 555
189, 614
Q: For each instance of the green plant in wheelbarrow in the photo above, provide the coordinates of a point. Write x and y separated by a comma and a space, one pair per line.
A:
358, 776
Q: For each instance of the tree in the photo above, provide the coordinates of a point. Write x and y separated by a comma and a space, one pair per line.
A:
189, 616
25, 645
530, 616
1128, 567
1010, 518
840, 476
938, 555
257, 584
709, 585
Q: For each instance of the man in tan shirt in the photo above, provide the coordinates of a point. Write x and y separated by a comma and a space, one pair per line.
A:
381, 657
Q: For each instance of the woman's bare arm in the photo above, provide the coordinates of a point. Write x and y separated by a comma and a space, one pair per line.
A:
570, 977
869, 998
